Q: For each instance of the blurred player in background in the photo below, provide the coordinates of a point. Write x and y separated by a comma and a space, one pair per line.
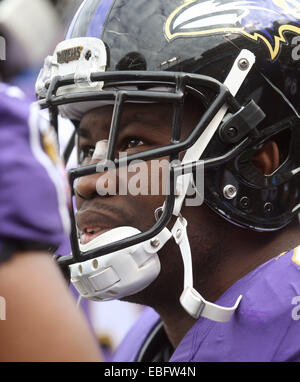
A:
39, 318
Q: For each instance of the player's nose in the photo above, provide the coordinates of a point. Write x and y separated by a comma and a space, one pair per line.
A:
88, 186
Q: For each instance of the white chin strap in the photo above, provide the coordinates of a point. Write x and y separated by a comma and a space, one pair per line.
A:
132, 269
190, 299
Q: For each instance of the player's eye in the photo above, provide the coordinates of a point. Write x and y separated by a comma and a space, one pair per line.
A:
134, 142
133, 145
86, 153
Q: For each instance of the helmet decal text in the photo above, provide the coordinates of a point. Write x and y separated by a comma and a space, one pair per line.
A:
67, 55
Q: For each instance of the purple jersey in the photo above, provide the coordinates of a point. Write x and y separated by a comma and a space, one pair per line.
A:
264, 328
32, 193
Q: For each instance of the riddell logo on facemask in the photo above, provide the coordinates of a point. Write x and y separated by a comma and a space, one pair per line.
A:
2, 49
2, 309
151, 178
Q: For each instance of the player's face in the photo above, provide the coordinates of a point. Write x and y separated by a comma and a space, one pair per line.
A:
133, 192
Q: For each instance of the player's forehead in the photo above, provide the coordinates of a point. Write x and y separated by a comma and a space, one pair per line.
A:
147, 113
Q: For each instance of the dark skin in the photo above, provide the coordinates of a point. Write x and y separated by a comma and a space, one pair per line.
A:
222, 252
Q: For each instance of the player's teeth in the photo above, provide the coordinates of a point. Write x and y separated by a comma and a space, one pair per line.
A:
93, 230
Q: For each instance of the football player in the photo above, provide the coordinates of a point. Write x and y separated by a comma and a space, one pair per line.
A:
39, 320
178, 102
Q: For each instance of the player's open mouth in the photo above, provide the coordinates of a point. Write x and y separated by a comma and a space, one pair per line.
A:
88, 234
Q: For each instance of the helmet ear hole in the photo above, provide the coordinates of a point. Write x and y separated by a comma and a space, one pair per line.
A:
283, 140
267, 158
273, 153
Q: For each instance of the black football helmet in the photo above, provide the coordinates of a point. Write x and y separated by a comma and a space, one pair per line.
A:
238, 59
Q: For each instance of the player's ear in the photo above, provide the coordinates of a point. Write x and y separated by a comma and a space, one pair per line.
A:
267, 159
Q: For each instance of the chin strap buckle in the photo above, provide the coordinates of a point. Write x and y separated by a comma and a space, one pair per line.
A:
239, 125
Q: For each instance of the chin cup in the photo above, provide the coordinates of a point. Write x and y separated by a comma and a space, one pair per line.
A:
121, 273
